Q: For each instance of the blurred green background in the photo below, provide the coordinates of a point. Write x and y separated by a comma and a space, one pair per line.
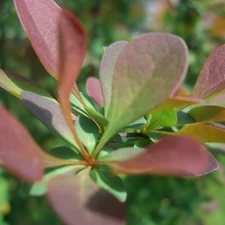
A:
151, 200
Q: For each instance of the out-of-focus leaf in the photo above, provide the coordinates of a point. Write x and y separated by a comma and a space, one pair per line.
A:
184, 118
64, 152
87, 132
138, 123
142, 69
204, 133
40, 188
121, 154
212, 75
107, 68
218, 100
94, 90
176, 102
40, 21
85, 203
4, 195
49, 113
208, 113
15, 84
166, 118
111, 183
19, 154
173, 155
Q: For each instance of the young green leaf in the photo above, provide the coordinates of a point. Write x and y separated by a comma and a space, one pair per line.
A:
173, 155
40, 21
87, 132
85, 203
111, 183
15, 84
94, 90
151, 62
20, 155
204, 133
212, 76
107, 68
49, 113
64, 152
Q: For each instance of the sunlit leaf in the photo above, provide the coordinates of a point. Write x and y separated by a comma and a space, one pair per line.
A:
147, 72
111, 183
87, 132
212, 75
19, 154
208, 113
15, 84
85, 203
40, 21
49, 113
107, 68
94, 90
173, 155
204, 133
166, 118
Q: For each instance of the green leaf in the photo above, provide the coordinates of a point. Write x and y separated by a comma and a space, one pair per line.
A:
64, 152
208, 113
87, 132
107, 68
183, 118
147, 72
40, 188
121, 154
111, 183
165, 118
16, 84
4, 198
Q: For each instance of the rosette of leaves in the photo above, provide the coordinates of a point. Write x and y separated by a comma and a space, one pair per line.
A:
135, 120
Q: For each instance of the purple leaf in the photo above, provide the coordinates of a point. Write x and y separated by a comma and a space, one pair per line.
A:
20, 155
173, 155
212, 75
107, 68
94, 90
77, 202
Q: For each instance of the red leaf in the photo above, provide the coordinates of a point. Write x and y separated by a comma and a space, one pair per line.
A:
20, 155
212, 75
84, 205
173, 155
39, 19
94, 90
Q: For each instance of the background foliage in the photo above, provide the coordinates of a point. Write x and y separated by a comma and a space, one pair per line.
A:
151, 200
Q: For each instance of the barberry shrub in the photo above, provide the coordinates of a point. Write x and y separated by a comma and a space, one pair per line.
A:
135, 119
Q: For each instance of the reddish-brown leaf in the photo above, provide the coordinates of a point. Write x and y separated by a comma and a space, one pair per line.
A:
39, 19
212, 75
20, 155
173, 155
84, 203
94, 90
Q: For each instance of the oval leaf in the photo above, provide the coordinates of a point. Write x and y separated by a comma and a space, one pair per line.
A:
173, 155
20, 155
212, 75
107, 68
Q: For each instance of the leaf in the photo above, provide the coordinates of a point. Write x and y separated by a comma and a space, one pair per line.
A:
204, 133
85, 203
15, 84
173, 155
49, 113
184, 118
94, 90
107, 68
111, 183
144, 77
40, 21
212, 76
40, 188
165, 118
208, 113
87, 132
20, 155
64, 152
121, 154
